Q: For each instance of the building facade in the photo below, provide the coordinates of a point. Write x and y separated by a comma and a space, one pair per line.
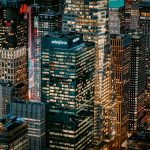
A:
34, 114
121, 47
67, 87
137, 81
116, 20
13, 44
91, 19
6, 90
145, 28
13, 133
43, 24
132, 14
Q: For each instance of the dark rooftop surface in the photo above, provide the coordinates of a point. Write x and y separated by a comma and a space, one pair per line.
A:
9, 123
143, 136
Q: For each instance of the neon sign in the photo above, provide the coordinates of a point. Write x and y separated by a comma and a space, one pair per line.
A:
23, 8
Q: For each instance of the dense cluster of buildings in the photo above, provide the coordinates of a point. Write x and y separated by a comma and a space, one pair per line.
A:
74, 74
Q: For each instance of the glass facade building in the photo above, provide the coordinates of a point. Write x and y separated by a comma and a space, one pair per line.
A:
137, 81
116, 21
34, 114
132, 14
145, 28
13, 44
43, 24
90, 18
67, 87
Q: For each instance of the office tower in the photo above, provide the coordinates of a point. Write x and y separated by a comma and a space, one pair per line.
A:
132, 14
44, 24
13, 44
128, 9
145, 27
46, 5
135, 15
91, 19
44, 16
13, 65
68, 89
116, 21
14, 69
34, 114
121, 47
32, 11
30, 16
137, 81
13, 26
13, 133
6, 89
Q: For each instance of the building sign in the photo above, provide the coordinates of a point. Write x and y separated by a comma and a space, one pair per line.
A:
23, 8
59, 42
76, 39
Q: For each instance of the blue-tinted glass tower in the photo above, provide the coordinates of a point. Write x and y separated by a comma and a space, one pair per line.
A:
67, 87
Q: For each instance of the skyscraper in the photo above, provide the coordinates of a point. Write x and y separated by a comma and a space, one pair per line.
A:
135, 15
44, 16
91, 19
67, 87
145, 27
13, 44
137, 81
121, 46
116, 21
44, 24
132, 14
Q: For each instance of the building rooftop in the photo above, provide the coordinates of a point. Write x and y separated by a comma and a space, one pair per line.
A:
135, 34
66, 35
62, 40
9, 123
32, 102
145, 4
50, 14
119, 36
143, 136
